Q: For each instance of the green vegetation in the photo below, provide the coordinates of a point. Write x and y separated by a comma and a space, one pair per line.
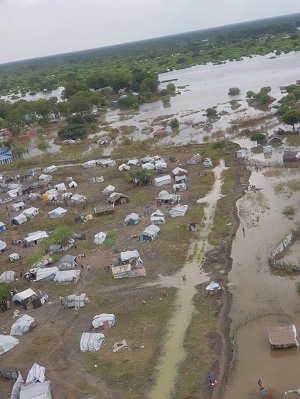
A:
234, 91
4, 291
143, 177
211, 112
110, 239
59, 235
289, 211
260, 98
174, 123
259, 137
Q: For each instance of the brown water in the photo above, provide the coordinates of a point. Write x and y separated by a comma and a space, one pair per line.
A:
258, 290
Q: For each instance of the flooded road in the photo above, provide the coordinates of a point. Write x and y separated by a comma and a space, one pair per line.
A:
263, 298
173, 351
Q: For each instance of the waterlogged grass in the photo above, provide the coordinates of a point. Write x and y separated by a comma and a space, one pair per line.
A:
287, 187
222, 221
228, 176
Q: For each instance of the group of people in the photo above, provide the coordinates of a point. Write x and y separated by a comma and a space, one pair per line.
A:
212, 380
261, 387
4, 304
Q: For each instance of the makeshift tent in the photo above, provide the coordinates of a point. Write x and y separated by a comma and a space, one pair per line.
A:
57, 213
104, 321
147, 160
133, 162
60, 187
109, 189
78, 199
123, 271
89, 164
180, 179
22, 325
14, 193
45, 261
148, 166
213, 286
18, 206
157, 217
50, 169
36, 373
75, 301
283, 336
107, 163
36, 236
14, 257
91, 342
2, 227
150, 233
132, 219
178, 210
72, 184
99, 238
160, 165
67, 276
97, 179
50, 195
7, 277
3, 246
31, 212
130, 256
7, 343
178, 171
24, 295
36, 390
124, 167
207, 162
162, 180
165, 198
46, 273
179, 187
19, 219
67, 262
45, 177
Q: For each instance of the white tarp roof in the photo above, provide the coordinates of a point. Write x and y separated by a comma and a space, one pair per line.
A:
78, 198
46, 273
18, 205
67, 276
7, 343
60, 187
132, 161
132, 216
179, 187
160, 165
151, 230
20, 296
178, 170
178, 210
99, 238
7, 277
14, 256
22, 325
14, 193
72, 184
52, 193
179, 178
127, 255
99, 319
148, 166
158, 212
37, 235
57, 211
36, 390
109, 189
45, 177
78, 301
107, 162
91, 342
213, 286
14, 186
50, 169
32, 211
20, 218
36, 373
2, 245
160, 179
89, 164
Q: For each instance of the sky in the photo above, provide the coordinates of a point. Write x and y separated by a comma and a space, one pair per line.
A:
36, 28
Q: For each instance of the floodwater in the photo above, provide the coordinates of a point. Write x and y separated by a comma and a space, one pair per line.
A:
173, 351
55, 93
263, 298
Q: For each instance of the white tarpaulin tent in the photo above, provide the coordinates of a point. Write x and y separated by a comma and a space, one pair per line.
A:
67, 262
99, 238
104, 320
109, 189
75, 301
7, 343
178, 210
89, 164
148, 166
72, 184
78, 198
67, 276
57, 213
36, 390
132, 219
91, 342
19, 219
22, 325
31, 212
36, 236
157, 217
60, 187
7, 277
21, 296
45, 177
18, 206
36, 373
50, 169
128, 256
178, 171
3, 245
213, 286
14, 257
46, 273
52, 194
161, 180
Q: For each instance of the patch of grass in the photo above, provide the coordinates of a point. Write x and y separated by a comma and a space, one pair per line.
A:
257, 150
279, 188
293, 185
110, 239
298, 286
289, 211
222, 221
228, 177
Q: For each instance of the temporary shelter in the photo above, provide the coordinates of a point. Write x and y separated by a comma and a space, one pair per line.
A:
160, 165
22, 325
67, 262
179, 187
97, 179
150, 233
147, 160
67, 276
46, 273
213, 286
99, 238
36, 236
161, 180
7, 277
179, 171
109, 189
104, 209
118, 198
14, 193
19, 219
91, 342
45, 177
75, 301
157, 217
207, 162
104, 321
283, 336
18, 206
194, 160
240, 153
107, 163
57, 213
165, 198
130, 257
124, 167
72, 184
132, 219
36, 373
178, 210
5, 198
14, 257
180, 179
148, 166
26, 295
43, 262
50, 169
267, 149
50, 195
132, 162
36, 390
123, 271
31, 212
3, 246
89, 164
60, 187
78, 199
7, 342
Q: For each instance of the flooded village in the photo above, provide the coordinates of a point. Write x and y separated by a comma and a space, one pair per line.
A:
135, 272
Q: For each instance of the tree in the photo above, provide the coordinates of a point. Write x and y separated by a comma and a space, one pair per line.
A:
257, 137
17, 151
72, 132
291, 117
60, 234
80, 102
143, 177
42, 145
234, 91
149, 85
174, 123
211, 112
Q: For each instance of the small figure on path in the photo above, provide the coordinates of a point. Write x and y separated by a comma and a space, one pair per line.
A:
210, 377
81, 266
214, 384
184, 278
244, 231
88, 267
61, 301
260, 384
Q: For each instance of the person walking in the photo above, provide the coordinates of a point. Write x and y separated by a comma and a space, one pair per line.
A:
184, 278
210, 378
61, 301
88, 267
260, 385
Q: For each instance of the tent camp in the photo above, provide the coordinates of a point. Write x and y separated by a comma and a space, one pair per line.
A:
178, 210
99, 238
67, 276
36, 390
150, 233
3, 246
78, 199
91, 342
104, 321
75, 301
109, 189
7, 343
36, 373
46, 274
132, 219
67, 262
36, 236
7, 277
50, 169
157, 217
31, 212
57, 213
18, 206
19, 219
22, 325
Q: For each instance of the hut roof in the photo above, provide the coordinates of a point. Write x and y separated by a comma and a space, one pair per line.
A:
283, 336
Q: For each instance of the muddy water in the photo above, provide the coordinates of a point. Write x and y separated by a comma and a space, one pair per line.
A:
258, 290
173, 351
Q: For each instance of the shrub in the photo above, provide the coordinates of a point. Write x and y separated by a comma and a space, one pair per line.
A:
174, 123
289, 211
257, 137
234, 91
4, 291
110, 239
